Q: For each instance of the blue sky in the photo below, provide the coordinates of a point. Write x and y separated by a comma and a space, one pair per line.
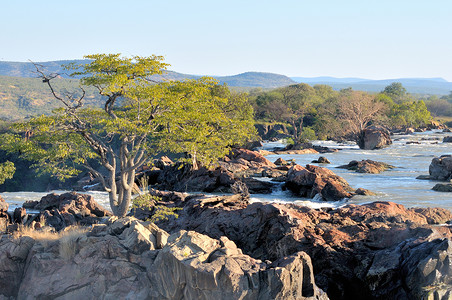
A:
370, 39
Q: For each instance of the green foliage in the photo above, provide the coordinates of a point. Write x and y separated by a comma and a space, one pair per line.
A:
439, 107
139, 118
411, 114
308, 134
204, 120
150, 202
7, 170
395, 90
289, 141
291, 105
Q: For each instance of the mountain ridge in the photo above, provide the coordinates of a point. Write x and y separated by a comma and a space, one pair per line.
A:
435, 85
246, 79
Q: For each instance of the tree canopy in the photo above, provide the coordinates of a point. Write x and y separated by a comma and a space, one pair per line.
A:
140, 118
7, 170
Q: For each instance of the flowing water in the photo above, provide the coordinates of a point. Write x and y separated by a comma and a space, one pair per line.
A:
398, 185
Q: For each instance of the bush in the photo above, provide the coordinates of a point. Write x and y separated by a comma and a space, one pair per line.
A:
308, 134
159, 212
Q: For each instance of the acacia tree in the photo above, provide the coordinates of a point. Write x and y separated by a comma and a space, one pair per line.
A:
138, 118
350, 113
357, 110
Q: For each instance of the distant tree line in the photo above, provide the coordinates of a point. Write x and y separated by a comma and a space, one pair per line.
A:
320, 112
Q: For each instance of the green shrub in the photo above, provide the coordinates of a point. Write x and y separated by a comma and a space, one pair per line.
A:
159, 212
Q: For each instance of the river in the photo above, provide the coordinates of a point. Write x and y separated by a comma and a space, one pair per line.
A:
398, 185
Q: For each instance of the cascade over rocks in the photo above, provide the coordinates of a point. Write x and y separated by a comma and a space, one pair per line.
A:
372, 251
374, 137
129, 259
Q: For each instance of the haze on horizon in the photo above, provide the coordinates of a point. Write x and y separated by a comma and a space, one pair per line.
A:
368, 39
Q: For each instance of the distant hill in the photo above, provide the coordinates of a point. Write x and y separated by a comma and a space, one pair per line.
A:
248, 79
437, 86
23, 97
22, 94
28, 70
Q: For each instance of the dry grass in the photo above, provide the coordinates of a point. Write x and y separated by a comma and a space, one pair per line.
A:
67, 239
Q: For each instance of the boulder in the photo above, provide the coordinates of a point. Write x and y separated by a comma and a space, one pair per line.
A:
321, 160
447, 139
367, 166
364, 192
3, 205
281, 162
441, 168
13, 257
253, 145
443, 187
162, 162
374, 137
19, 215
255, 159
409, 130
313, 180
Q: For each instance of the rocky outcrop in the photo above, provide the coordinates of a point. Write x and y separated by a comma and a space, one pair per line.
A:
380, 250
364, 192
297, 151
313, 180
239, 165
374, 137
367, 166
305, 148
60, 211
441, 168
128, 259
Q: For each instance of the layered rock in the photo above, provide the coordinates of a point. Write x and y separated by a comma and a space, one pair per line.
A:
314, 180
127, 259
367, 166
374, 137
373, 251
